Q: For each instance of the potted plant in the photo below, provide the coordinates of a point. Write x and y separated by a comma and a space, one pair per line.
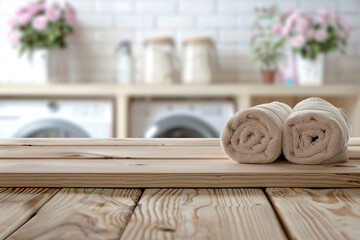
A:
266, 42
311, 39
39, 30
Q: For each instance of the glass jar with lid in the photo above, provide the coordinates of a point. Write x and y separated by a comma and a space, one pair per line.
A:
159, 60
199, 63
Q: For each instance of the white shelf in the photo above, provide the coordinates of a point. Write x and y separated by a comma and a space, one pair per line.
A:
345, 96
177, 90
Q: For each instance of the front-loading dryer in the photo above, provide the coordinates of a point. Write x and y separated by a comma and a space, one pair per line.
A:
179, 118
31, 118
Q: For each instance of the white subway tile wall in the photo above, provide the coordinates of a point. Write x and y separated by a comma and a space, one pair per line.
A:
103, 23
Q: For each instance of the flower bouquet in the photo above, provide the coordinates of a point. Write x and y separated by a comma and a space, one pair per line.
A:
39, 30
312, 38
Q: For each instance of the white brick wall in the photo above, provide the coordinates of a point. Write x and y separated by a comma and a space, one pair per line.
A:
113, 6
175, 22
159, 6
216, 21
134, 22
197, 7
102, 23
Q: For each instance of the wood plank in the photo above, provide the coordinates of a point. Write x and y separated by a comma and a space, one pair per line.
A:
17, 205
124, 152
318, 213
82, 214
110, 152
174, 173
203, 214
121, 148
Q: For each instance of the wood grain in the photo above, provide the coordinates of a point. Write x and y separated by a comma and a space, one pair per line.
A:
111, 152
155, 163
174, 173
122, 149
110, 148
318, 213
203, 214
82, 214
110, 142
17, 205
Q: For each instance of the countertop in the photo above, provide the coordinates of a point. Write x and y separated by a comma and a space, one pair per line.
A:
169, 189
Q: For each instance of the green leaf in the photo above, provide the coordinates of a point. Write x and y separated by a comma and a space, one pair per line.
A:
278, 44
22, 49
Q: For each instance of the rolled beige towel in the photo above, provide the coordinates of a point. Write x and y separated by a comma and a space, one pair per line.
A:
255, 134
316, 132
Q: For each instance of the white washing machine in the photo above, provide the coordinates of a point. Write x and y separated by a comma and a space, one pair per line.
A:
179, 119
56, 118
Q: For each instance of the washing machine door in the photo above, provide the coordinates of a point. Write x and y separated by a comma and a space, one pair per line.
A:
51, 128
181, 127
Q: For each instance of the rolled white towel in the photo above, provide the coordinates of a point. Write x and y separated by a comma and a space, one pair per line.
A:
316, 132
255, 134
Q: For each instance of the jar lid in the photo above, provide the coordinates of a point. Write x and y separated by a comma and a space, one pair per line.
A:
205, 40
166, 40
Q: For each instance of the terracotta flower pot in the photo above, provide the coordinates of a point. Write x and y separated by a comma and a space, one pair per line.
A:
268, 76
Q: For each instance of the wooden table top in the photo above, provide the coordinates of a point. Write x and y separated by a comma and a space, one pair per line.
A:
169, 189
177, 213
157, 163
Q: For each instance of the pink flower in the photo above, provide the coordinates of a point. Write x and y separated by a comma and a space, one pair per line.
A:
24, 18
288, 10
277, 30
309, 33
286, 30
323, 12
320, 35
14, 37
293, 17
271, 8
302, 24
52, 14
39, 23
69, 8
298, 14
12, 22
52, 5
334, 15
298, 41
21, 10
281, 17
288, 25
321, 19
35, 9
70, 14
